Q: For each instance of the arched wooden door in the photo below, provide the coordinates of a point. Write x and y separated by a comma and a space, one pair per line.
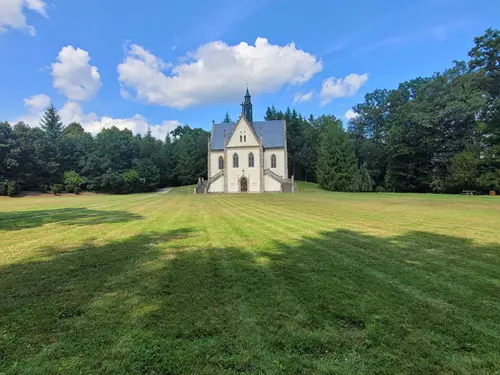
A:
243, 185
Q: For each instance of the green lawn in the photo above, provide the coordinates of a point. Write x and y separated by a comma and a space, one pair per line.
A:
310, 283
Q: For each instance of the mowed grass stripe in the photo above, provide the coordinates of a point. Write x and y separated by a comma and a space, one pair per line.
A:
273, 292
367, 259
335, 215
483, 272
326, 223
34, 203
47, 235
383, 214
483, 262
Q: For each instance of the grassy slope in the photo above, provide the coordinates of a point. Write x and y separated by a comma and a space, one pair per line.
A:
317, 282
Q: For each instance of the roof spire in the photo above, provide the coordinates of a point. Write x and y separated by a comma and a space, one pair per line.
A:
246, 107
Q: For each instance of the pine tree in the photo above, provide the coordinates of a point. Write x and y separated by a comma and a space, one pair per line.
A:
227, 119
51, 123
337, 161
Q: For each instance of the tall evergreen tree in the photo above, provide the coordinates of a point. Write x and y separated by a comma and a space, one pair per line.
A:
51, 123
337, 161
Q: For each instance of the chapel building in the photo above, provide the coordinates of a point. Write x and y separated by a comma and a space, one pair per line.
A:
247, 156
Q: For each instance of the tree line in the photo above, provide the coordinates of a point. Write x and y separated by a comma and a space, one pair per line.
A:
54, 157
432, 134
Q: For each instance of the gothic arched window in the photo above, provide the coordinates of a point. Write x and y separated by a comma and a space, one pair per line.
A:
250, 160
235, 161
221, 162
273, 161
244, 138
241, 138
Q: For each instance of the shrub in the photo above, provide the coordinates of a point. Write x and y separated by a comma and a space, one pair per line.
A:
44, 188
72, 178
131, 181
3, 188
70, 188
78, 190
12, 189
57, 189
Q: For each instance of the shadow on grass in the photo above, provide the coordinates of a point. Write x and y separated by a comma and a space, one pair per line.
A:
67, 216
339, 303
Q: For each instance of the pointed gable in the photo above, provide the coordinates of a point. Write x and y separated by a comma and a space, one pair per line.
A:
242, 134
273, 133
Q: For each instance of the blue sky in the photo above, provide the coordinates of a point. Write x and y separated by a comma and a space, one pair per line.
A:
167, 62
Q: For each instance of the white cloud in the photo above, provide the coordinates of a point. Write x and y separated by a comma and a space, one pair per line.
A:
37, 103
12, 14
73, 76
350, 114
301, 98
91, 122
38, 6
35, 106
341, 87
215, 73
72, 112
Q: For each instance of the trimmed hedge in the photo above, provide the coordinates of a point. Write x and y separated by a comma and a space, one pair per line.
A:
70, 188
3, 188
78, 190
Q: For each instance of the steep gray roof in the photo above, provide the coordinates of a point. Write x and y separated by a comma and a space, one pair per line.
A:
273, 133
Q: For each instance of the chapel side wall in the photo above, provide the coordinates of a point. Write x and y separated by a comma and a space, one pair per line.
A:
280, 169
270, 184
252, 174
214, 163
